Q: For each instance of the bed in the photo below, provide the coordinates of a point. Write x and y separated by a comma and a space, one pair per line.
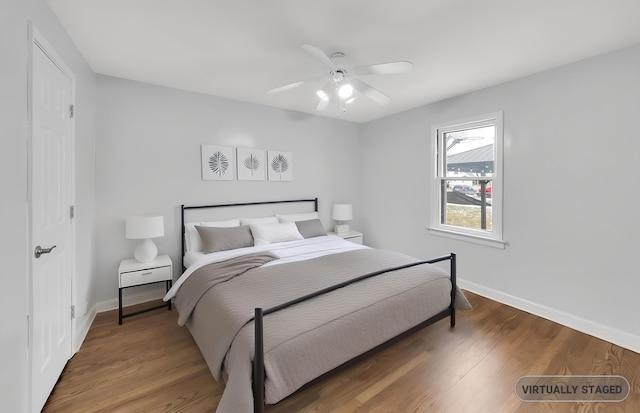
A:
274, 302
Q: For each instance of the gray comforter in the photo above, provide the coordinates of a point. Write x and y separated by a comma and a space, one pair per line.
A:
311, 338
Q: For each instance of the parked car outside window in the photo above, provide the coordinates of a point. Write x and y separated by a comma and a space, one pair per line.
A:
487, 191
464, 189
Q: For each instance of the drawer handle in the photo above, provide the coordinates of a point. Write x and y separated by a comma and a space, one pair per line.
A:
147, 273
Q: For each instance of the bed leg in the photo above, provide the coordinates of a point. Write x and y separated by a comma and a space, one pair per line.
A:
258, 364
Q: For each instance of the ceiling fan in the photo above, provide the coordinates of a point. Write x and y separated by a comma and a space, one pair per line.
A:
341, 82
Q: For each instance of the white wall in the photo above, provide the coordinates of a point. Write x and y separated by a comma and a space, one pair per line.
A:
148, 145
572, 147
15, 250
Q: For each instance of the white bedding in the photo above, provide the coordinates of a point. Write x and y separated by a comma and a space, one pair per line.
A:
289, 251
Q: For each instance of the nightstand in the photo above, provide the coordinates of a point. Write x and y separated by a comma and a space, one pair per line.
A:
133, 273
353, 236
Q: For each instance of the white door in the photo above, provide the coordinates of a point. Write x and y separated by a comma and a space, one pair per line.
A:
51, 228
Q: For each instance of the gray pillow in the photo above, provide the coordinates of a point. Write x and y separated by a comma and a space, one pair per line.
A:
311, 228
222, 239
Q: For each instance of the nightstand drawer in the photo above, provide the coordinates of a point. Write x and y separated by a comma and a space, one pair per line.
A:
151, 275
351, 236
355, 239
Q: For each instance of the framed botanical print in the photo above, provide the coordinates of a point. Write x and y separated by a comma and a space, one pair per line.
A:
217, 163
251, 164
280, 166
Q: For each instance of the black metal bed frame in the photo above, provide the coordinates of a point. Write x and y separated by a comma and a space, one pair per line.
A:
258, 360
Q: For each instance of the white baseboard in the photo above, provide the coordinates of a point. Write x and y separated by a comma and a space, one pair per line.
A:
82, 329
612, 335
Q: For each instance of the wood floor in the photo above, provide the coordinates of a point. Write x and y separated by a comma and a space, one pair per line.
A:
149, 364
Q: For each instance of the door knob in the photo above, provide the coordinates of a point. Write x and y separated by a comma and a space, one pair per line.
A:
39, 251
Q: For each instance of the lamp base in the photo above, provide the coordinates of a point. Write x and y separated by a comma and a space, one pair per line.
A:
341, 229
146, 251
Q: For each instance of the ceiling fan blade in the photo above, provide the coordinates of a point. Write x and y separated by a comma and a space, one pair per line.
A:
320, 56
371, 92
286, 87
293, 85
382, 69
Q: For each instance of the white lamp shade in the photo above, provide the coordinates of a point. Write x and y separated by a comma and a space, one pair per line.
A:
145, 226
342, 212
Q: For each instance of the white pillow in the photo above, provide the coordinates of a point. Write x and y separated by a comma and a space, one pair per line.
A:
192, 238
222, 224
259, 221
270, 233
307, 216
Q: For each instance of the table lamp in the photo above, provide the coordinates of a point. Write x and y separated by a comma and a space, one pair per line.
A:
145, 227
342, 213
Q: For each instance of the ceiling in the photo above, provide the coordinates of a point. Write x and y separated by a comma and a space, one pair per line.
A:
239, 49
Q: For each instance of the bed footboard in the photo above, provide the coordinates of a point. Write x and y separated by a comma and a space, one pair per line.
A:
258, 361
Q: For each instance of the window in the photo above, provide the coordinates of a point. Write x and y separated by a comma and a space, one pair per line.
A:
467, 179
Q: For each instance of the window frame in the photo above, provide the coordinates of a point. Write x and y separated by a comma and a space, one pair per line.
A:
493, 237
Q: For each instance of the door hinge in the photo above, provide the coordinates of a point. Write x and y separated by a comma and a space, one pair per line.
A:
71, 108
72, 211
73, 312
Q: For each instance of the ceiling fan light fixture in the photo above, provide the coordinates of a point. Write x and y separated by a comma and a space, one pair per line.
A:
322, 95
345, 91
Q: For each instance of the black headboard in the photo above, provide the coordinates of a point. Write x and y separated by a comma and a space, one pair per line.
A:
184, 208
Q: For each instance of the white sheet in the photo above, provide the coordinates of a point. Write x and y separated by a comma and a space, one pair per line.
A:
289, 251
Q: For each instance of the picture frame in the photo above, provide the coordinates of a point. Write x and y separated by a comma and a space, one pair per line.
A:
280, 166
251, 165
217, 163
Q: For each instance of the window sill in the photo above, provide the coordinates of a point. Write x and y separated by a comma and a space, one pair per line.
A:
475, 239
